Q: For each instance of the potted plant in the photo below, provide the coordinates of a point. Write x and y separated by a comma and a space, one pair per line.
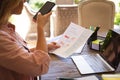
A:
117, 19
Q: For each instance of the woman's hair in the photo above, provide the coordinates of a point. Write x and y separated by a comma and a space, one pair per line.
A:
116, 44
6, 8
116, 49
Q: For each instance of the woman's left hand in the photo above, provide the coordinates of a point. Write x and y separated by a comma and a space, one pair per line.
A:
53, 46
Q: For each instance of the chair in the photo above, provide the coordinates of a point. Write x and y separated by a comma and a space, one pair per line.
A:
62, 2
64, 15
96, 13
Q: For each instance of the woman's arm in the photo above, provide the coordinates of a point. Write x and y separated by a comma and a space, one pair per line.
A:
14, 57
41, 22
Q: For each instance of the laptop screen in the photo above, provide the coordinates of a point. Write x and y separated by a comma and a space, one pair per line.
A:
110, 48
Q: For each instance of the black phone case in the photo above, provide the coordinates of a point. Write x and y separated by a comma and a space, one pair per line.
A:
47, 7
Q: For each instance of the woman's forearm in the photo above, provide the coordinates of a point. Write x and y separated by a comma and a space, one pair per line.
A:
41, 41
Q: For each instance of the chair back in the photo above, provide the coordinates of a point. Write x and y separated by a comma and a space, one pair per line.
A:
65, 14
96, 13
63, 2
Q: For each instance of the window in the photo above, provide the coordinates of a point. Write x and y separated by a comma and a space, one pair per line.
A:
117, 13
37, 4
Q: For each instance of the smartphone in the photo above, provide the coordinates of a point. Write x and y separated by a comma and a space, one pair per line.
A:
47, 7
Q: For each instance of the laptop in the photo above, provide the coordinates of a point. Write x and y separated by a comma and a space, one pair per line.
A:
100, 62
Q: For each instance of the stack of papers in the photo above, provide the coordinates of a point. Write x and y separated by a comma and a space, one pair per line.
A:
111, 76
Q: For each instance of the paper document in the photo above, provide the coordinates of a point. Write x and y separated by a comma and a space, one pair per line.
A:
72, 40
111, 76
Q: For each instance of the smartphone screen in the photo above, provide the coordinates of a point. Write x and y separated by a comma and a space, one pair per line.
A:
47, 7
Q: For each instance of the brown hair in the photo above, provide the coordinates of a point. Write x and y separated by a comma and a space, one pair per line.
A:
116, 49
6, 7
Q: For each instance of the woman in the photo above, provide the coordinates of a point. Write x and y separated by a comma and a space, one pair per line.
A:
17, 62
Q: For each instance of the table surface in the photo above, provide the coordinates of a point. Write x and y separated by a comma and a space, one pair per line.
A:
64, 67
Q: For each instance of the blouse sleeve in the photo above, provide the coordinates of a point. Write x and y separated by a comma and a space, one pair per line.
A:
15, 57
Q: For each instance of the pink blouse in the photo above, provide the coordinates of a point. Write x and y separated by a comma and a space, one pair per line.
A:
17, 62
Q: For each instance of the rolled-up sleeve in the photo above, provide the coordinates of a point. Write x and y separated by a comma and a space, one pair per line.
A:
15, 57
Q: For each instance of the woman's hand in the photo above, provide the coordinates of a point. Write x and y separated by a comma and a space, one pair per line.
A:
43, 19
53, 46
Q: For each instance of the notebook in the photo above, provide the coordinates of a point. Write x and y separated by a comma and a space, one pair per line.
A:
99, 62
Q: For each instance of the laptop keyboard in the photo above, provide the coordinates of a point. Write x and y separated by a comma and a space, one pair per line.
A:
96, 63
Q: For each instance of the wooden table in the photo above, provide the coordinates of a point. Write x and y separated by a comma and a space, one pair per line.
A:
60, 67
